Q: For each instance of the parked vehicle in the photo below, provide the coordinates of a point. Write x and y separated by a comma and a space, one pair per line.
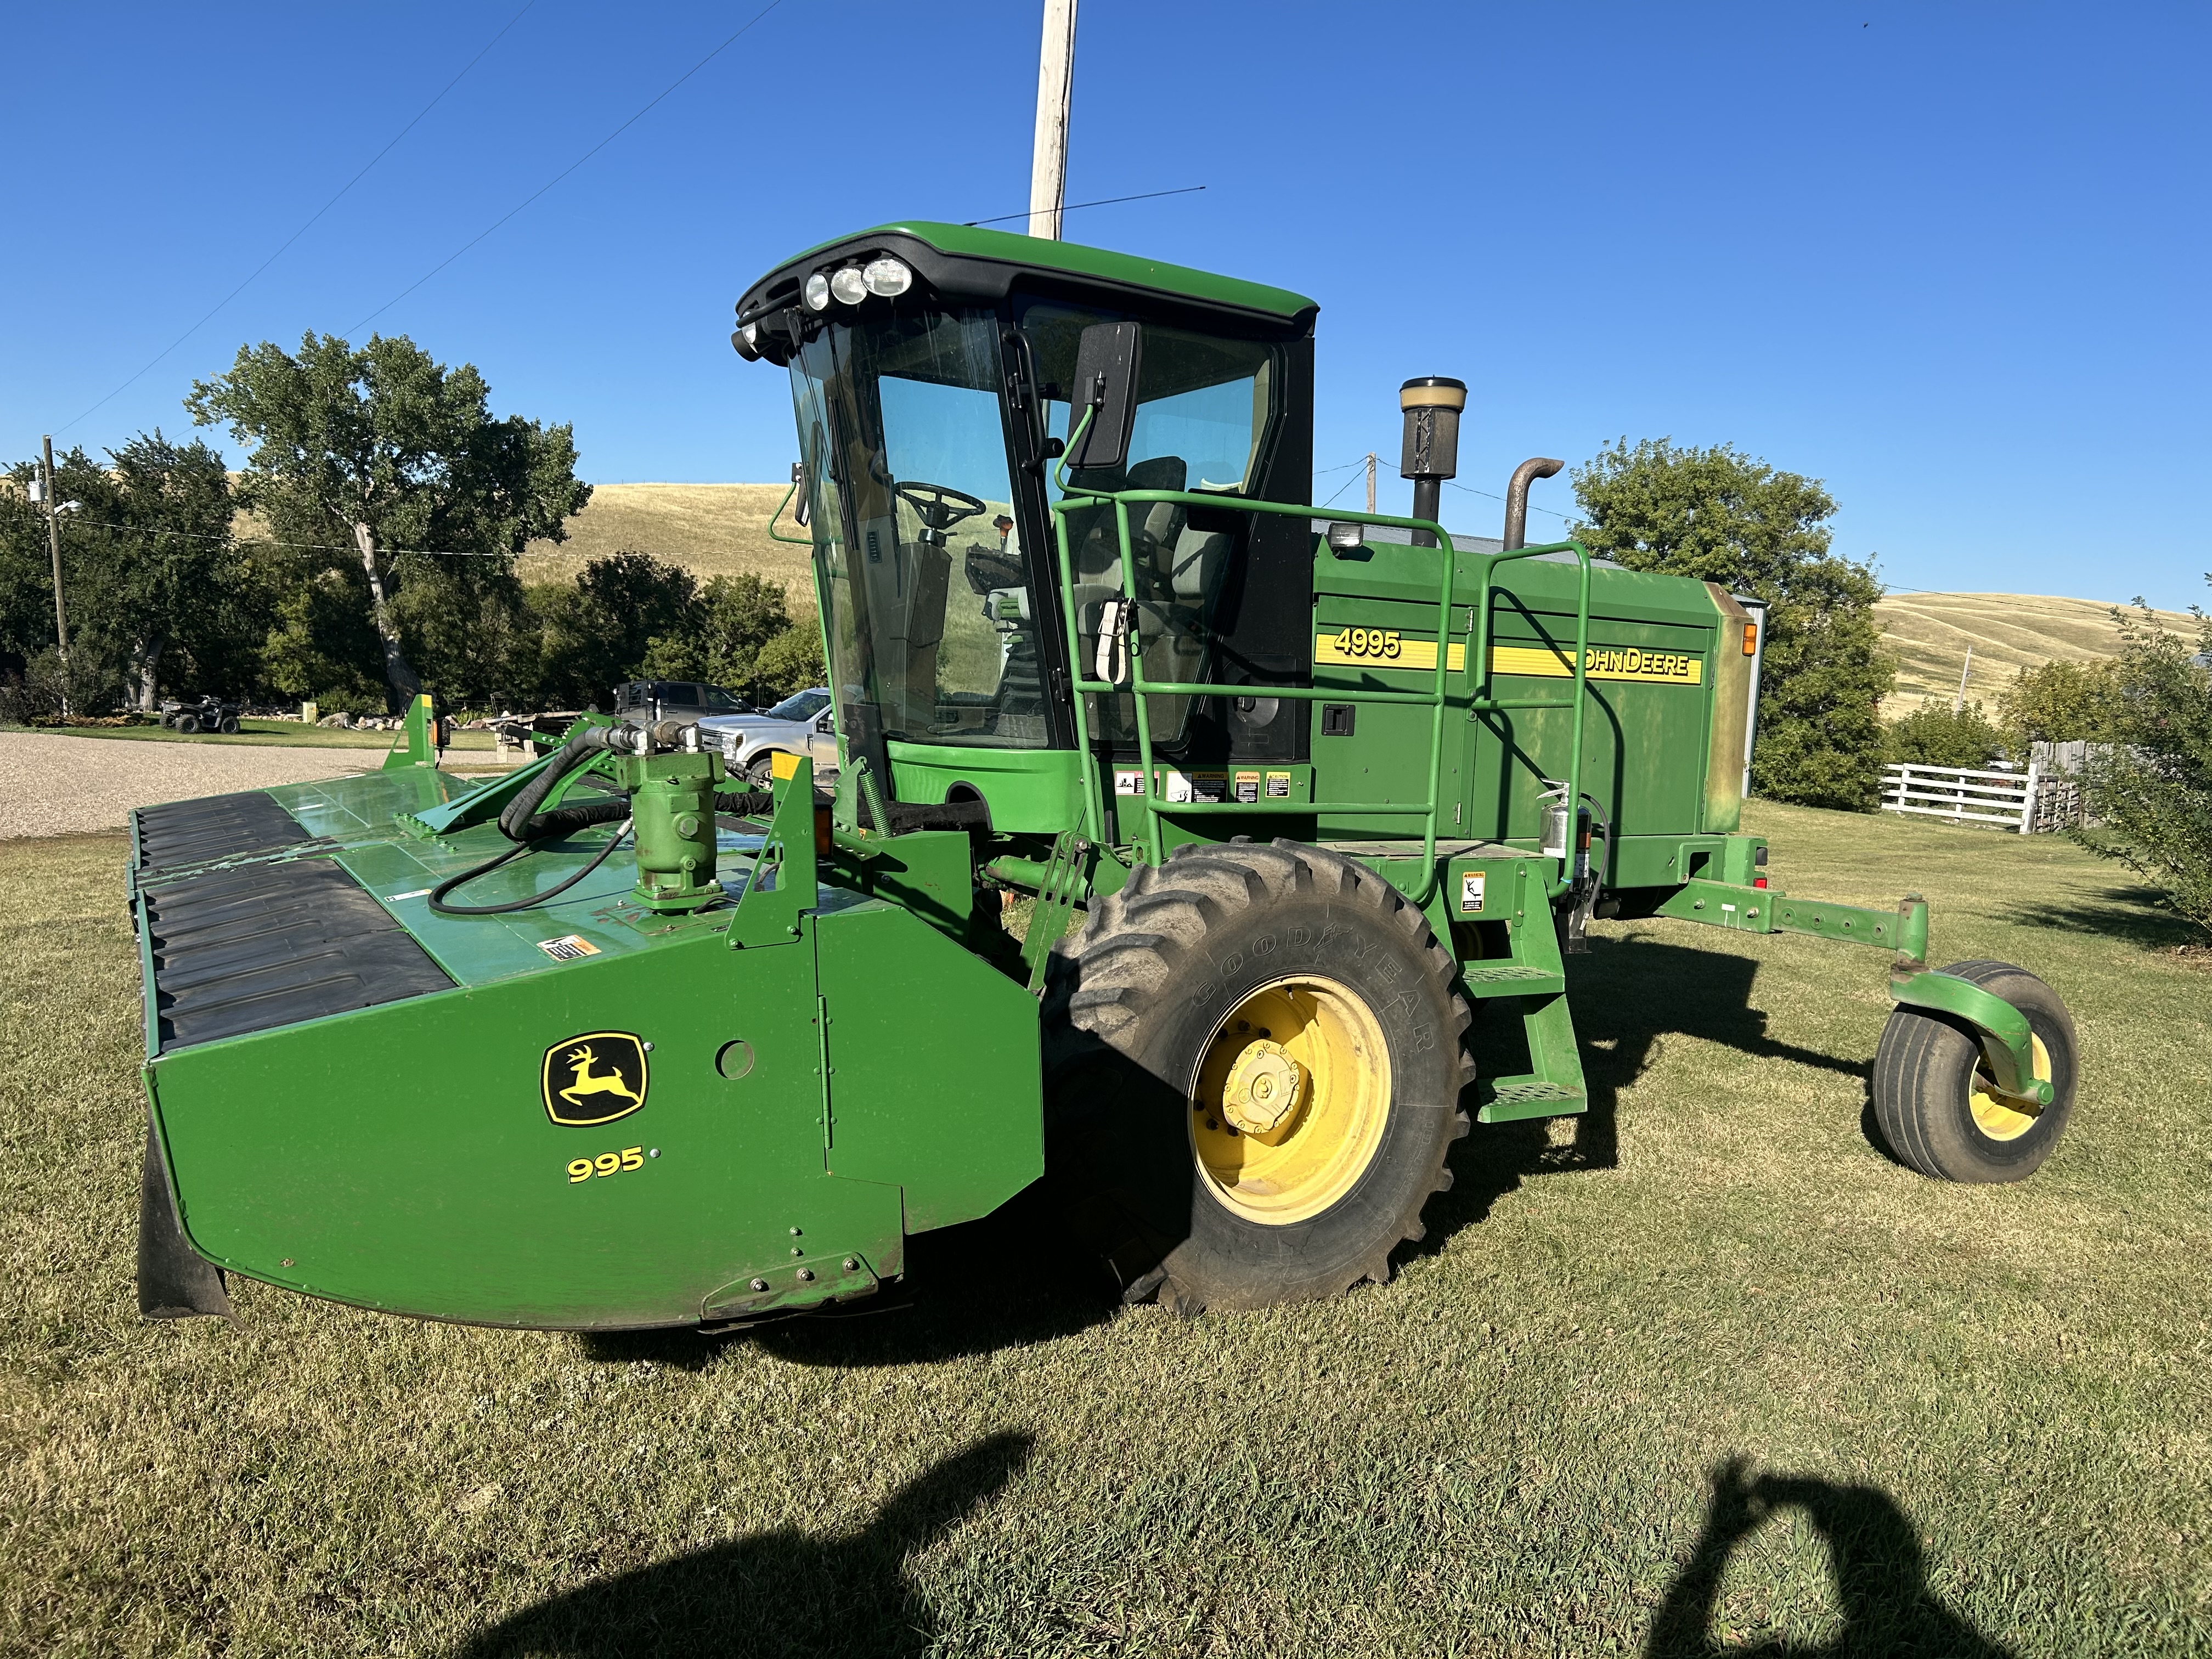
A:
208, 714
647, 703
802, 726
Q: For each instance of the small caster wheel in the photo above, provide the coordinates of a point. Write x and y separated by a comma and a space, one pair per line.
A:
1936, 1103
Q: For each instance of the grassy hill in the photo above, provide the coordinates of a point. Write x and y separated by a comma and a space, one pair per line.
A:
1931, 632
722, 529
716, 530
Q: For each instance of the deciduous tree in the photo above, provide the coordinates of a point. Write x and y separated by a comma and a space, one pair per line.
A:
385, 452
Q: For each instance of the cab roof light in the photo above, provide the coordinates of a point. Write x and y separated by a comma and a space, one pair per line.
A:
887, 278
848, 287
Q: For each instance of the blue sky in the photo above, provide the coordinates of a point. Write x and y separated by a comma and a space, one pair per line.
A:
1951, 258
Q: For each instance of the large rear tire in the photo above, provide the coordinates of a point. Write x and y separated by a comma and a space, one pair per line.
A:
1934, 1099
1254, 1071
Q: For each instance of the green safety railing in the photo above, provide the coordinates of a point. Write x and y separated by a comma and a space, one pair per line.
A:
1476, 668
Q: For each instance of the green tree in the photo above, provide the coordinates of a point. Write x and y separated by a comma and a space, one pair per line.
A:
174, 576
27, 583
2149, 795
1935, 734
1722, 516
595, 632
735, 618
791, 662
385, 452
319, 641
2061, 702
148, 569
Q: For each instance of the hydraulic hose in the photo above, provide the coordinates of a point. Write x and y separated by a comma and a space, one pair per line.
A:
520, 820
438, 893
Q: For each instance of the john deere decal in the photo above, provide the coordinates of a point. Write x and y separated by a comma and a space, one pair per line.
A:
594, 1078
1606, 662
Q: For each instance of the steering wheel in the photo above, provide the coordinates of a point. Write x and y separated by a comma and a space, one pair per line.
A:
940, 509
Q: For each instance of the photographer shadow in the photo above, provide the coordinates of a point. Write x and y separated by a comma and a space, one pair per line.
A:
786, 1592
1874, 1553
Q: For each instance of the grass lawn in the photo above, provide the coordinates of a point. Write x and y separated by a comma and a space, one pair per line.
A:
1701, 1372
268, 734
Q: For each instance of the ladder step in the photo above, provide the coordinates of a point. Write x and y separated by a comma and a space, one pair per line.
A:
1509, 979
1506, 1099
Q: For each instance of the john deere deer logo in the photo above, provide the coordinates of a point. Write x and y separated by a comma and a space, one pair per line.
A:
594, 1078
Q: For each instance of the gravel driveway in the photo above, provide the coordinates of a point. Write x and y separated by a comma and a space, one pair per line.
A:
51, 785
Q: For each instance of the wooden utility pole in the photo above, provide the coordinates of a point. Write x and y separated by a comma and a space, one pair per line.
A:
54, 549
1370, 481
1055, 84
1960, 702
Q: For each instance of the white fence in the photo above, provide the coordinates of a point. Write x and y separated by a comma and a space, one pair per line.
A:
1962, 795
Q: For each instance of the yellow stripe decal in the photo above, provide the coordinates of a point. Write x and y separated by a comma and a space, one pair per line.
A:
1606, 662
1382, 648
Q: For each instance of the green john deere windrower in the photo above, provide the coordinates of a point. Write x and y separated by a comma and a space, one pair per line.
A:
614, 1042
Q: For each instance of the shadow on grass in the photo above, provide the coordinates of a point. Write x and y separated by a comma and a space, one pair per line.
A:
1626, 995
2138, 915
782, 1592
1873, 1551
1003, 1282
1014, 1277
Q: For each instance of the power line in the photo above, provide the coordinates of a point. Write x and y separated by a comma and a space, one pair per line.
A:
271, 541
1103, 200
310, 223
1533, 507
565, 172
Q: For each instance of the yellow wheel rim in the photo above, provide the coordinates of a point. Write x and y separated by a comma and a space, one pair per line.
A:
1995, 1116
1290, 1102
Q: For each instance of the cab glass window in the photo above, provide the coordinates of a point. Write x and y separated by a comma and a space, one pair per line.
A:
1207, 408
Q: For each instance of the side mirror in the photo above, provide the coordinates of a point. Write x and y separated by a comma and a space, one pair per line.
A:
799, 494
1105, 389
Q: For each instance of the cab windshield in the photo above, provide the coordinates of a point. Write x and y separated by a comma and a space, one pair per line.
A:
925, 579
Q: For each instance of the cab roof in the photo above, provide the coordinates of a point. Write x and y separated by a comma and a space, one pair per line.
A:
968, 262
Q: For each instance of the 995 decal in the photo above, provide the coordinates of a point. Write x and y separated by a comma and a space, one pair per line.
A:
607, 1164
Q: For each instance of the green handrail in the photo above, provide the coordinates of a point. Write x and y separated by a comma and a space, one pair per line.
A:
1480, 702
775, 535
1436, 699
1142, 690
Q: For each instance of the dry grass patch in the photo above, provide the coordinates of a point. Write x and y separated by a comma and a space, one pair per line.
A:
1931, 632
713, 530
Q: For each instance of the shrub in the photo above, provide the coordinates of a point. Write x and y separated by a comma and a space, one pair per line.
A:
2061, 702
1934, 734
2149, 796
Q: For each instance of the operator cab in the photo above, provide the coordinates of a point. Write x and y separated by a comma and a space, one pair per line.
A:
931, 367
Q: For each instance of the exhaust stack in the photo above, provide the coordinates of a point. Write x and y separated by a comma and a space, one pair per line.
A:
1517, 498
